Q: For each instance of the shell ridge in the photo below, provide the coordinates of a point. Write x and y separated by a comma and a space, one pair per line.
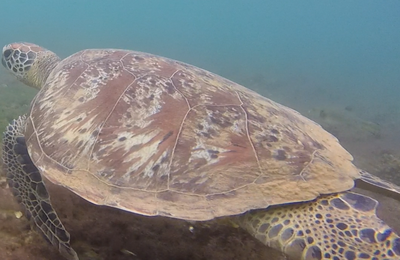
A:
248, 135
112, 110
180, 127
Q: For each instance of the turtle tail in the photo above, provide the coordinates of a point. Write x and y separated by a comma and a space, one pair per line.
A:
29, 189
338, 226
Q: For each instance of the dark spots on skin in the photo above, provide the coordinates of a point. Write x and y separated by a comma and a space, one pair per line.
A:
324, 203
350, 255
128, 115
274, 231
82, 130
95, 133
368, 235
81, 99
383, 236
151, 97
79, 119
274, 220
121, 139
200, 127
280, 155
263, 228
364, 256
341, 226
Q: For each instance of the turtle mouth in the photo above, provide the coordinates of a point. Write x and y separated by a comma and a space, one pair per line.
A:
3, 62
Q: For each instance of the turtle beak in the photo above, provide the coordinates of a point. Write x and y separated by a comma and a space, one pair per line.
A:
3, 62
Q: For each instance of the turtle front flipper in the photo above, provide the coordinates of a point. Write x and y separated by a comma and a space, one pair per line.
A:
28, 187
340, 226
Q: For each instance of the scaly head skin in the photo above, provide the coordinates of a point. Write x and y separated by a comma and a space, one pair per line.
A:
30, 63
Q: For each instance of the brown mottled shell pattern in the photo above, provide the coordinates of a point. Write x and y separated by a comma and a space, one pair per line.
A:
155, 136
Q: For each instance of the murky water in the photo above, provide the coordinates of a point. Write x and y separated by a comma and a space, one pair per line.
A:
336, 62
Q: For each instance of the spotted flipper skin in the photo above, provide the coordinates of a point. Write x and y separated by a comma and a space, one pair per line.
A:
29, 189
336, 227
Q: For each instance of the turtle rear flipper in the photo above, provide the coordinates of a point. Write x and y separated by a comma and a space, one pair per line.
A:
334, 226
29, 189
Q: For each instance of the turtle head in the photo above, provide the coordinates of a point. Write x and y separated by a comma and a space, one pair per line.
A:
30, 63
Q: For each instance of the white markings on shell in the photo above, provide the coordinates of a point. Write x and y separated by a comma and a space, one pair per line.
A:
200, 151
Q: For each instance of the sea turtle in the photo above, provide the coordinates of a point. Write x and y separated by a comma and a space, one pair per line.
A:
155, 136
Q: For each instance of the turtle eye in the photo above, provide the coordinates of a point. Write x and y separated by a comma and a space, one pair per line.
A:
16, 54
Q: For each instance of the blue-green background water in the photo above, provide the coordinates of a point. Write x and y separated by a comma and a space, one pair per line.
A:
335, 61
309, 55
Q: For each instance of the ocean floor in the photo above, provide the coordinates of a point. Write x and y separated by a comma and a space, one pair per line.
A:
103, 233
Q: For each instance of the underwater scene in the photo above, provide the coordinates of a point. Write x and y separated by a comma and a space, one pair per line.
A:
180, 163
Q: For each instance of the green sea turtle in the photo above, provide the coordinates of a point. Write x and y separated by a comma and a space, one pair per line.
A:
158, 137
